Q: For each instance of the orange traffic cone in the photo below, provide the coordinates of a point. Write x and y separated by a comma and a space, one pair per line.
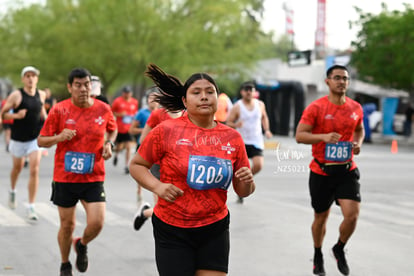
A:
394, 146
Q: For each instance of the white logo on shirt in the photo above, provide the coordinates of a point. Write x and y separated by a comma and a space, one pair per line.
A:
329, 117
228, 148
99, 120
70, 122
184, 142
354, 116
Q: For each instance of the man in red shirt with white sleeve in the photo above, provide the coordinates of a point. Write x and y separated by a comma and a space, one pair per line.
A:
124, 108
334, 126
83, 130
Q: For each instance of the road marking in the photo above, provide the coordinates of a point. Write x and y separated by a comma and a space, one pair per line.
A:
50, 212
111, 218
121, 213
387, 213
10, 218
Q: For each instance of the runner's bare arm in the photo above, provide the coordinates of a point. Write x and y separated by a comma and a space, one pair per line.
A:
139, 170
265, 121
48, 141
144, 133
243, 182
12, 101
233, 117
359, 135
304, 135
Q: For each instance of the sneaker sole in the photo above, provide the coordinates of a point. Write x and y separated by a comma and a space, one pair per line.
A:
320, 274
336, 260
33, 218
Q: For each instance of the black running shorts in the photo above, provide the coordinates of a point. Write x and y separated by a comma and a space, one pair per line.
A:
252, 151
324, 190
123, 137
183, 251
68, 194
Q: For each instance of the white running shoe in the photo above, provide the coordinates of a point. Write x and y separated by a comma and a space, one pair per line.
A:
12, 200
31, 214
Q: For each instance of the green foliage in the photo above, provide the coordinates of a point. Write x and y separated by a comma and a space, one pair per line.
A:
117, 39
384, 48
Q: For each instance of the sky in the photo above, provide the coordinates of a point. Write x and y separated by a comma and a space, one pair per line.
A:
338, 14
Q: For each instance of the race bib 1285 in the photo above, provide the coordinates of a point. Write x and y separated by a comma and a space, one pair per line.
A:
339, 152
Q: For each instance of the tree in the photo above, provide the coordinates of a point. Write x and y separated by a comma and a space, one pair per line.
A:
116, 40
383, 49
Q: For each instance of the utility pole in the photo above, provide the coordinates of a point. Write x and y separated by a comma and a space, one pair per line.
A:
289, 24
320, 35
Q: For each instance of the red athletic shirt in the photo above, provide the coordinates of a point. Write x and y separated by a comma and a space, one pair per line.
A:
199, 161
326, 117
72, 157
6, 121
157, 116
130, 107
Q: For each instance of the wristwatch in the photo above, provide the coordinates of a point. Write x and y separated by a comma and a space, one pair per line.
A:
110, 142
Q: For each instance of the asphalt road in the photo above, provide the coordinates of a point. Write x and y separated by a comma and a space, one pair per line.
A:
270, 232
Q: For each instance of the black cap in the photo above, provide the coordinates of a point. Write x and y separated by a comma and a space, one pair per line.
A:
127, 89
248, 85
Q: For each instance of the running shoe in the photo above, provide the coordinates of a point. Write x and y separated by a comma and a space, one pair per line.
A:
318, 268
81, 255
66, 269
126, 170
115, 160
139, 218
12, 200
240, 200
31, 213
340, 260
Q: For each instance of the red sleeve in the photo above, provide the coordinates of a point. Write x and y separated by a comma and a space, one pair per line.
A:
111, 126
115, 105
361, 115
241, 160
154, 118
51, 125
152, 148
309, 115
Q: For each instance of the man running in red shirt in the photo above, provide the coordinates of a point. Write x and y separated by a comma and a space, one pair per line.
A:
78, 126
334, 126
124, 108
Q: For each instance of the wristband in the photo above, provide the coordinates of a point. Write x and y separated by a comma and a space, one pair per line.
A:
110, 142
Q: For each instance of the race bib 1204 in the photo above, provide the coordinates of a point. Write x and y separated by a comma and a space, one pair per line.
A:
339, 152
79, 162
207, 172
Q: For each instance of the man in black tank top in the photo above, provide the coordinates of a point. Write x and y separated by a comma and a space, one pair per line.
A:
28, 113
